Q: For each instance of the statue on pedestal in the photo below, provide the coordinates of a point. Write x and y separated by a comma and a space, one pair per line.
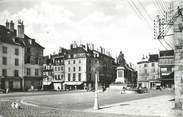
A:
121, 60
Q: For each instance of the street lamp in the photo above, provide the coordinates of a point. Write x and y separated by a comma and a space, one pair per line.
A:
95, 69
96, 105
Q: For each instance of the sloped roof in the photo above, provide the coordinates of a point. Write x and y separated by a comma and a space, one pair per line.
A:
77, 50
8, 36
153, 57
166, 53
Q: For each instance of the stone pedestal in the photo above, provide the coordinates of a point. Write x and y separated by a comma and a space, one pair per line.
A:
120, 75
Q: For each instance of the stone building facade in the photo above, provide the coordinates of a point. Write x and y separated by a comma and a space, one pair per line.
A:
78, 63
166, 65
12, 68
148, 72
23, 56
178, 70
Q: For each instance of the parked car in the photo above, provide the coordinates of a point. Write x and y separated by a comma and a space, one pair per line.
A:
2, 91
142, 90
158, 88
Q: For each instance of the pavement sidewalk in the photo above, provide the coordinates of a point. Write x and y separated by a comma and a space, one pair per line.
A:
161, 106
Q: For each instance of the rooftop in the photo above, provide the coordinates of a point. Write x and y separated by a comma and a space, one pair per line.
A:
8, 36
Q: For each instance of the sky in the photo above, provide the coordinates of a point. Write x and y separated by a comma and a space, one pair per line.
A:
112, 24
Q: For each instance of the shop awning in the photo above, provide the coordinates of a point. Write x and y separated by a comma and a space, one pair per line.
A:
11, 77
32, 77
47, 82
166, 79
73, 83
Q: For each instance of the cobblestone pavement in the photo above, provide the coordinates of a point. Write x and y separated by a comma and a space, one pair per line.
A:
147, 107
30, 111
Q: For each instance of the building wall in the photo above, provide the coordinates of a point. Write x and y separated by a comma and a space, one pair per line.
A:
153, 70
143, 71
10, 66
32, 79
178, 78
33, 70
148, 72
76, 65
33, 61
11, 59
58, 72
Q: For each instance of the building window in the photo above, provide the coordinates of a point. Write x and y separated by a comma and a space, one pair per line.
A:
5, 50
16, 51
153, 70
74, 77
36, 60
55, 68
4, 72
36, 72
79, 61
74, 69
169, 69
28, 59
16, 73
89, 77
69, 77
79, 68
68, 62
89, 68
55, 77
62, 68
62, 76
28, 71
58, 77
152, 64
58, 68
79, 77
16, 62
145, 65
69, 69
74, 61
4, 61
145, 71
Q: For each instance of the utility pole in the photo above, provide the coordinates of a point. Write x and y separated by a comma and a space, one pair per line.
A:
175, 22
178, 70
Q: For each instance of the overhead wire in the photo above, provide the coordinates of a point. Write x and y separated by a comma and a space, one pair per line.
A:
138, 12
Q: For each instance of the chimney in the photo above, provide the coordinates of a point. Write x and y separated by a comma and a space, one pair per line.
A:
7, 24
71, 46
101, 50
60, 50
92, 46
12, 26
20, 29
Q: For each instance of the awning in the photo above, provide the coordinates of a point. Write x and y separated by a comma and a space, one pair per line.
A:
153, 80
11, 77
166, 79
32, 77
47, 82
72, 83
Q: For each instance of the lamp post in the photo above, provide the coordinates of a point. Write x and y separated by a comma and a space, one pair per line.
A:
96, 105
96, 71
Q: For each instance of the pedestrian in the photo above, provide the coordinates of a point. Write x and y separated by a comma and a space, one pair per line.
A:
58, 88
123, 90
7, 90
